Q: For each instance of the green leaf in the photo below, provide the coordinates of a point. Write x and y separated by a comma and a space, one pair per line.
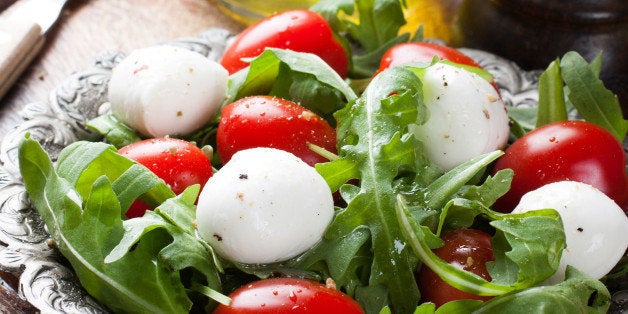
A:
523, 120
551, 106
373, 136
371, 26
114, 131
376, 145
331, 9
131, 266
535, 253
345, 257
85, 236
596, 65
136, 182
365, 64
441, 190
577, 294
417, 235
379, 22
338, 172
176, 216
376, 31
459, 306
301, 77
527, 247
588, 94
492, 188
372, 298
81, 163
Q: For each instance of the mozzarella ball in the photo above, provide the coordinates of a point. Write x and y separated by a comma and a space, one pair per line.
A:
466, 116
166, 90
596, 228
264, 206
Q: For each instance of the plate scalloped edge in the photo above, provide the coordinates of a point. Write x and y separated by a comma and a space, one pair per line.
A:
45, 280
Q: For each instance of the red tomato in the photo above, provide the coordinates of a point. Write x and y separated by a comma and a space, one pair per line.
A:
297, 30
179, 163
289, 295
468, 249
264, 121
565, 150
421, 52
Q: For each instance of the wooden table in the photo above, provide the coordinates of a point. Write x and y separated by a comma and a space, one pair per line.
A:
86, 29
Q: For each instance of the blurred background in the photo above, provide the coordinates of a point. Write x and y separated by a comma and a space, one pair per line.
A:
532, 33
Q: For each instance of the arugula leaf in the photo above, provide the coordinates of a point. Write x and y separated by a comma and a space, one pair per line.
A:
85, 235
372, 298
377, 148
114, 131
418, 236
301, 77
379, 22
492, 188
346, 258
372, 30
83, 162
572, 81
376, 31
577, 294
527, 247
587, 93
523, 120
373, 136
176, 216
338, 172
440, 191
551, 106
87, 227
332, 10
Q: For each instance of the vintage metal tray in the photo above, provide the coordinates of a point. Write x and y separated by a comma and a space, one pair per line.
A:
45, 279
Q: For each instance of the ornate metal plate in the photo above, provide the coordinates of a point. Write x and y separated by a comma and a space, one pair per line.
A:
45, 280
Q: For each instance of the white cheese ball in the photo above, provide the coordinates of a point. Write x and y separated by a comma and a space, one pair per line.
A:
467, 117
596, 228
264, 206
166, 90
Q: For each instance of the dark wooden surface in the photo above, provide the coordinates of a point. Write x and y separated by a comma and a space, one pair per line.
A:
85, 30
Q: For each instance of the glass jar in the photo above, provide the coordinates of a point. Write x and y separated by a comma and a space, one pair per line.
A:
436, 16
248, 12
533, 33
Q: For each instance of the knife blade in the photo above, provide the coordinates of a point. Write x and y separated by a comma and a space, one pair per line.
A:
23, 28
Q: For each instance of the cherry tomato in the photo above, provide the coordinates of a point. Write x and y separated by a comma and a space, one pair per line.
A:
179, 163
264, 121
469, 249
297, 30
566, 150
288, 295
421, 52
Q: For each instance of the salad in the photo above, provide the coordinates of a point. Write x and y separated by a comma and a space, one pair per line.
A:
323, 175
